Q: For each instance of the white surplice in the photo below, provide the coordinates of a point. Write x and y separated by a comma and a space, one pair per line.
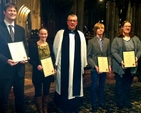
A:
57, 51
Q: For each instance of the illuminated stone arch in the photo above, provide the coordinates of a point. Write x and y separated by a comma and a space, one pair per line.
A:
27, 7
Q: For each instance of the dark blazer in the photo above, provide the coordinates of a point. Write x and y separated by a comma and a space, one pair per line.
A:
93, 51
34, 56
117, 49
7, 71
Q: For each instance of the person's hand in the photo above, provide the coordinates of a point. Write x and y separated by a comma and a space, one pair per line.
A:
11, 62
110, 69
24, 61
136, 61
97, 69
54, 72
122, 64
40, 68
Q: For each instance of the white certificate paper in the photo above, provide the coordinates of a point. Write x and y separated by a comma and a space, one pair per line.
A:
129, 59
103, 64
17, 51
47, 65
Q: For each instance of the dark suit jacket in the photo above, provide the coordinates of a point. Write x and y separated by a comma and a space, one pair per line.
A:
94, 51
7, 71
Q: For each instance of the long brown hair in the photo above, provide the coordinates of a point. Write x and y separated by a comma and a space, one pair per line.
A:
120, 32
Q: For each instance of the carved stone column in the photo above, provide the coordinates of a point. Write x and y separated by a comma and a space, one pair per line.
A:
133, 15
78, 9
81, 14
107, 18
75, 6
139, 22
113, 22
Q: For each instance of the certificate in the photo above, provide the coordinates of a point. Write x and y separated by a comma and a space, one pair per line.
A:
17, 51
47, 65
129, 59
103, 64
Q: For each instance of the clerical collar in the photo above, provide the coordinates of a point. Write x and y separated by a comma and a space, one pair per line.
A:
72, 32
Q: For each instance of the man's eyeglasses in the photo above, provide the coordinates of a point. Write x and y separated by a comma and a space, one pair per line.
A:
72, 20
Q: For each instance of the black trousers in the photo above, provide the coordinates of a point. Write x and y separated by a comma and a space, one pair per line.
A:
123, 88
41, 83
18, 89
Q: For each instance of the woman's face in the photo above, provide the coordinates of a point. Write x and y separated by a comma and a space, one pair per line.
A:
43, 33
126, 28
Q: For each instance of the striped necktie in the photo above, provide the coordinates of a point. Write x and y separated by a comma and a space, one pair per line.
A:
11, 32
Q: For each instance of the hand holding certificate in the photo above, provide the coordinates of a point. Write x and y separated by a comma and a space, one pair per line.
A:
129, 59
17, 51
47, 65
103, 64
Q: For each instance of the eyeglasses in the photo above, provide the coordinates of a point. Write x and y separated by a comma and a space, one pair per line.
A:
72, 20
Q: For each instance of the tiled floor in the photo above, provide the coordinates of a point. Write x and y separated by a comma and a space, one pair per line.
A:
86, 107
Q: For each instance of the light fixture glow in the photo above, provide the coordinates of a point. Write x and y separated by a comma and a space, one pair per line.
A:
101, 0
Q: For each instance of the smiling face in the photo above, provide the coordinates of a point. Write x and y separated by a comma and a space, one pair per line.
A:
43, 33
126, 28
72, 22
10, 14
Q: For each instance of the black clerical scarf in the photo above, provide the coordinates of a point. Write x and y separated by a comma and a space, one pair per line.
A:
65, 65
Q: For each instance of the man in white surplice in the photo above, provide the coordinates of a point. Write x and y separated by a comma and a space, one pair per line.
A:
70, 51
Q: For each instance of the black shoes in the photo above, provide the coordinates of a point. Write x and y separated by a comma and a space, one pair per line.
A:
124, 106
103, 106
128, 106
94, 109
120, 107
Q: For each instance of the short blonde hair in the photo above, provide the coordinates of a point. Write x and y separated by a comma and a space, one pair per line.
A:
72, 15
97, 26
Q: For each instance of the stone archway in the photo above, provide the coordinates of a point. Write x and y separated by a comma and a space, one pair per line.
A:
28, 14
22, 17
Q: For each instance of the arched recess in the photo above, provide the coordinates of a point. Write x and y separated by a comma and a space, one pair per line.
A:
22, 17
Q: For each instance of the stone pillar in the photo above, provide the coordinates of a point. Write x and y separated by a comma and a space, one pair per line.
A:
133, 16
81, 14
78, 9
35, 15
107, 24
75, 6
139, 24
113, 22
129, 12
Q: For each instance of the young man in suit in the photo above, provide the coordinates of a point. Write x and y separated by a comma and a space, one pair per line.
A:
11, 72
99, 46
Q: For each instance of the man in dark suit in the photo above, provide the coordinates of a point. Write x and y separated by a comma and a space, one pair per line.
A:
11, 72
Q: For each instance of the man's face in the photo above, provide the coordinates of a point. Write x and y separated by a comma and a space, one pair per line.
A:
100, 30
10, 14
72, 22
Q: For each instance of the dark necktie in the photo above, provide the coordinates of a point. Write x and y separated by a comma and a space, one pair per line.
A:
11, 32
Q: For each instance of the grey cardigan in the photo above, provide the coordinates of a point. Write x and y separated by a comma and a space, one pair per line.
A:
93, 51
117, 49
